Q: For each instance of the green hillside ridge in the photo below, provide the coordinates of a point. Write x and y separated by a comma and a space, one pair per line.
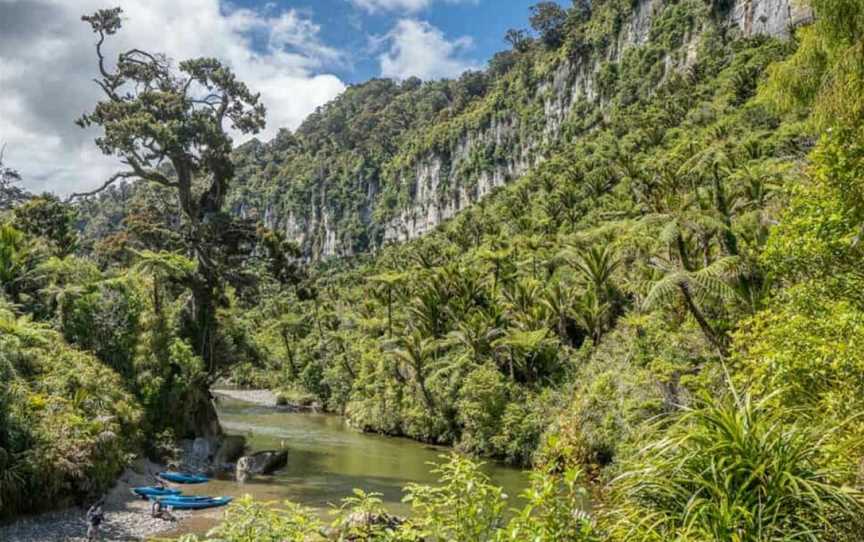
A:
663, 314
348, 169
477, 333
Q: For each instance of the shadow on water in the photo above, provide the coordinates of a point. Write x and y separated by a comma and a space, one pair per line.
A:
327, 460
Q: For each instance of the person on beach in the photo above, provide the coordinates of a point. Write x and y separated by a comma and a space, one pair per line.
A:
95, 515
161, 512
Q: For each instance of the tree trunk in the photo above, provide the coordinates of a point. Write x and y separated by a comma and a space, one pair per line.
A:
707, 330
390, 312
427, 397
730, 242
290, 352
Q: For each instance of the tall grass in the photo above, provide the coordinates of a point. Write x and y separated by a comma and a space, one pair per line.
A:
733, 469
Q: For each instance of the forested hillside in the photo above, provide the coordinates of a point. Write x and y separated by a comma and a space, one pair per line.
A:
610, 276
391, 160
627, 256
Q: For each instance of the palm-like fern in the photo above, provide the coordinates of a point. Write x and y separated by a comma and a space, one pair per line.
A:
389, 283
415, 352
696, 288
597, 266
522, 348
592, 313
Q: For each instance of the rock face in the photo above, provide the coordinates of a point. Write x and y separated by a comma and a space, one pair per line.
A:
772, 17
210, 454
566, 86
437, 183
265, 462
230, 450
199, 417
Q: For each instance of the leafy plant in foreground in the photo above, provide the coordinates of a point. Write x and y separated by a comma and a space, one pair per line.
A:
733, 469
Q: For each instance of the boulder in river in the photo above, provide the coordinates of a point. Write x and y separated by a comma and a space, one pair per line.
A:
231, 448
265, 462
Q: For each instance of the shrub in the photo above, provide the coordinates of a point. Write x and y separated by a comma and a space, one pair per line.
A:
68, 424
554, 509
250, 521
732, 469
466, 507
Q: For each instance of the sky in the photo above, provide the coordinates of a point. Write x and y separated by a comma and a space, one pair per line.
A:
299, 54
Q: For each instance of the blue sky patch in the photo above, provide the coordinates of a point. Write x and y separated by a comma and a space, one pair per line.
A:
476, 26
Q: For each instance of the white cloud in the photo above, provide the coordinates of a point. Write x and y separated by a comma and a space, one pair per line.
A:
411, 6
419, 49
47, 63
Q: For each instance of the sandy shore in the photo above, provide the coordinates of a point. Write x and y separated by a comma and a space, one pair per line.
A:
259, 397
126, 516
265, 398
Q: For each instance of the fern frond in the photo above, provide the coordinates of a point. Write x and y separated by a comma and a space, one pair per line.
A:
664, 290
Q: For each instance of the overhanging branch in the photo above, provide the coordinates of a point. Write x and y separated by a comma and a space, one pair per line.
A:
114, 178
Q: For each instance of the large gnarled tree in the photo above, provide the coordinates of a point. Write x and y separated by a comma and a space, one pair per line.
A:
170, 126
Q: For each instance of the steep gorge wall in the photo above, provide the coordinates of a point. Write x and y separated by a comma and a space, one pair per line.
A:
439, 184
567, 85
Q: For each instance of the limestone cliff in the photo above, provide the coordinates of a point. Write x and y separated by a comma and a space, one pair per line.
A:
435, 184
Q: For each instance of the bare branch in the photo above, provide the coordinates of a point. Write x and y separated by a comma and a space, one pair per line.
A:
152, 57
102, 69
114, 178
108, 92
150, 174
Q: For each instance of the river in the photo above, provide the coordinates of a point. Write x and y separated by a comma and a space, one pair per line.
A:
327, 460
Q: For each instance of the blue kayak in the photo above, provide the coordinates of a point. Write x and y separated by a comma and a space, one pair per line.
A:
153, 491
180, 502
183, 477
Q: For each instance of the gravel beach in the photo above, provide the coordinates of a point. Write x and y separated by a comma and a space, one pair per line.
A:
126, 516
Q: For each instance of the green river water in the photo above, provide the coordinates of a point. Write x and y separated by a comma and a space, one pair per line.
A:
327, 460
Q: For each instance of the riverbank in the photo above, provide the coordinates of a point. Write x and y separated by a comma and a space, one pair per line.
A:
258, 397
127, 518
269, 399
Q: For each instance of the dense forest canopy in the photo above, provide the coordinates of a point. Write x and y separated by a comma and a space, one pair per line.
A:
664, 306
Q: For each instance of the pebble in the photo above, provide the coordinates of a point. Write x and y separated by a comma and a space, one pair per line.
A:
70, 526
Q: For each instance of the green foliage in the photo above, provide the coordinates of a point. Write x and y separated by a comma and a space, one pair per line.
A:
734, 469
104, 320
248, 521
824, 78
463, 507
69, 425
47, 218
554, 510
548, 19
12, 257
805, 342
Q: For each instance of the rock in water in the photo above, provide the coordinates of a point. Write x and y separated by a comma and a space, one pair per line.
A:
265, 462
230, 449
